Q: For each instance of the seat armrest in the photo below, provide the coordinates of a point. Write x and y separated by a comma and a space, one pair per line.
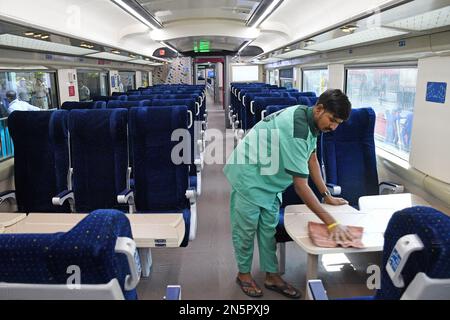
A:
126, 197
66, 195
127, 247
9, 195
316, 291
390, 187
173, 292
191, 194
334, 189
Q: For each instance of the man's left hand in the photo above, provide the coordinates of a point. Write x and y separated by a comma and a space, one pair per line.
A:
335, 201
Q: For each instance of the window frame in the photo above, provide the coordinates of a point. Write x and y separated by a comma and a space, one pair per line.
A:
100, 72
388, 65
53, 71
311, 69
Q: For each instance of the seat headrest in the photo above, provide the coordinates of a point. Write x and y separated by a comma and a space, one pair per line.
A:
433, 229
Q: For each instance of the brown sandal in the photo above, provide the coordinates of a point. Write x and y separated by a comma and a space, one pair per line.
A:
284, 290
249, 288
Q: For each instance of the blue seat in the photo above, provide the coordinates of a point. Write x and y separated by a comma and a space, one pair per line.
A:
260, 104
99, 157
349, 156
160, 185
126, 104
122, 97
194, 130
416, 247
71, 105
41, 162
100, 247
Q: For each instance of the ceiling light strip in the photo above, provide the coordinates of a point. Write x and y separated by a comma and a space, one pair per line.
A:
269, 9
151, 22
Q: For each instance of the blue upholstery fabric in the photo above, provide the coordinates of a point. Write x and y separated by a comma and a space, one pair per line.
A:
160, 185
260, 104
71, 105
114, 104
190, 103
141, 97
275, 108
99, 157
44, 258
41, 158
349, 156
433, 228
98, 105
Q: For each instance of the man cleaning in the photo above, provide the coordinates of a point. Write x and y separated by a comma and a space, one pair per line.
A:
279, 151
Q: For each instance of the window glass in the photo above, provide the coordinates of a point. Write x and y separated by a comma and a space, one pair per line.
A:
286, 78
144, 79
391, 93
91, 84
315, 81
244, 73
37, 88
272, 79
127, 81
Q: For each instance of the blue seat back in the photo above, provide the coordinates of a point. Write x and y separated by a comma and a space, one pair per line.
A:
41, 160
275, 108
349, 156
305, 101
433, 229
114, 104
90, 245
159, 183
260, 104
99, 157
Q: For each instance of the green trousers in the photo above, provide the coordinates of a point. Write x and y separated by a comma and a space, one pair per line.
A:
246, 220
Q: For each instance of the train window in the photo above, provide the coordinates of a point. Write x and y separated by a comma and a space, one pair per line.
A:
391, 93
245, 73
38, 88
315, 81
272, 78
127, 81
92, 83
145, 82
286, 78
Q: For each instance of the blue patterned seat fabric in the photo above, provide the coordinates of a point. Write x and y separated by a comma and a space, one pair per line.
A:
90, 245
433, 228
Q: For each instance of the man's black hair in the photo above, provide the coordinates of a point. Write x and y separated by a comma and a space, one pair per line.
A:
336, 102
11, 95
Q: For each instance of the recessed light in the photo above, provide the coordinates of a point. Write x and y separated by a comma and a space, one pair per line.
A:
29, 33
45, 36
37, 35
115, 51
309, 42
132, 56
349, 28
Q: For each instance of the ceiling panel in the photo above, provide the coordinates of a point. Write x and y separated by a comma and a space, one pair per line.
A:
425, 21
110, 56
294, 54
173, 10
356, 38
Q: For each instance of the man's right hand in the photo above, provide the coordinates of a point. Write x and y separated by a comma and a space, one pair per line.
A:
340, 233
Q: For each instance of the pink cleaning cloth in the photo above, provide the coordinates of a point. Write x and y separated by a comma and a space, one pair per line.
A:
318, 233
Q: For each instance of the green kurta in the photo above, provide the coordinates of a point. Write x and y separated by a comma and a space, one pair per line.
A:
259, 169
